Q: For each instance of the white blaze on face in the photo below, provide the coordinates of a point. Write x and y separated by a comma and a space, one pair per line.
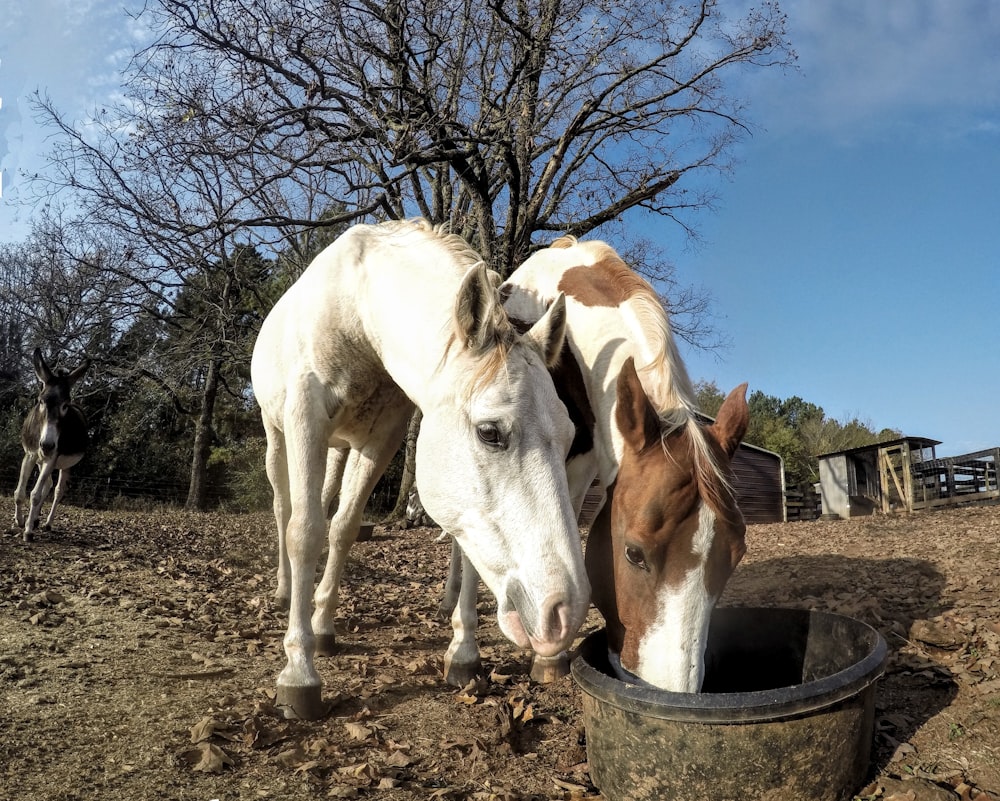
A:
50, 434
671, 655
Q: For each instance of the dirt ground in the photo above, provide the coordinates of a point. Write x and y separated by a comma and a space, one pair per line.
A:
138, 653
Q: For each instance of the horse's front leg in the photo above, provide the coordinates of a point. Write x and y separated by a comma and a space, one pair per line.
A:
299, 686
38, 496
462, 662
453, 584
360, 471
21, 492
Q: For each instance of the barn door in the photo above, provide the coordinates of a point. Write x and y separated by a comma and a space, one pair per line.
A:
895, 479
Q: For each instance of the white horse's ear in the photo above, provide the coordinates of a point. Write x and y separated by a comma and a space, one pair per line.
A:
549, 333
476, 309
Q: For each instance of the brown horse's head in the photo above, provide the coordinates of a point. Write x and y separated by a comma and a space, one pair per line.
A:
662, 550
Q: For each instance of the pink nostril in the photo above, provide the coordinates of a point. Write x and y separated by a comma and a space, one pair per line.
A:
557, 621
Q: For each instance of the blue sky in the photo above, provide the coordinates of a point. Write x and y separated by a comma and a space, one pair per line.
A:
854, 255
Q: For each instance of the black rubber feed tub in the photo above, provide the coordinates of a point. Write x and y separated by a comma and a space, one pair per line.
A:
787, 712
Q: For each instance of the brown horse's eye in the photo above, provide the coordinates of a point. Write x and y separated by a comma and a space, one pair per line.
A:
635, 556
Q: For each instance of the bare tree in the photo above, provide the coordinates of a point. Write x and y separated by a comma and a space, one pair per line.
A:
177, 216
505, 118
269, 123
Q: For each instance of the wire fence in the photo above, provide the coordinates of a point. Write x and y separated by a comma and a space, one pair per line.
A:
113, 492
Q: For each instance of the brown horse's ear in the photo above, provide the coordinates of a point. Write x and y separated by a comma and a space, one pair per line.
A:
637, 420
731, 423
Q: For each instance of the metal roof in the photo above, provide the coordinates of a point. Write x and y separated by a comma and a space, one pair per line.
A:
918, 442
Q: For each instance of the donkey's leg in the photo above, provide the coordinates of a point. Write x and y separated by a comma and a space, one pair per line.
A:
21, 493
361, 472
452, 584
277, 474
299, 685
461, 661
60, 492
38, 496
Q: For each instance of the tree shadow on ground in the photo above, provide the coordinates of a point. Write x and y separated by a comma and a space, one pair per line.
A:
888, 594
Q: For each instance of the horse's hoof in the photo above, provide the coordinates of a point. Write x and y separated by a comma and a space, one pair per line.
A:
547, 669
326, 644
281, 603
29, 536
445, 610
301, 703
459, 675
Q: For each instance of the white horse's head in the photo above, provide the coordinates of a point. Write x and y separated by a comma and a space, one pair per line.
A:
491, 466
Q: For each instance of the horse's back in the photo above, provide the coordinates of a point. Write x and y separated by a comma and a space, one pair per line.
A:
375, 288
312, 326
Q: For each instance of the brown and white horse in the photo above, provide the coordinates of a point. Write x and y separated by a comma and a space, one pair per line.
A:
669, 533
386, 317
54, 435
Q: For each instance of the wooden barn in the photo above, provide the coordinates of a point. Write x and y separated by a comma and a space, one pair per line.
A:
904, 475
758, 479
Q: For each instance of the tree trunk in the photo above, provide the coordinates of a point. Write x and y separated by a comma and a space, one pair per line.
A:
197, 489
409, 467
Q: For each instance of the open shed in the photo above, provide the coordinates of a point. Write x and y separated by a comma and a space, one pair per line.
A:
904, 474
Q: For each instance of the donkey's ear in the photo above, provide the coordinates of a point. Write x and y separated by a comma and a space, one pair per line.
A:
476, 309
731, 422
77, 373
637, 420
549, 333
41, 368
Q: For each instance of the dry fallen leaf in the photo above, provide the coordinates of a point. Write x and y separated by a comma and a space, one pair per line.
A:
207, 758
358, 731
342, 791
203, 729
398, 759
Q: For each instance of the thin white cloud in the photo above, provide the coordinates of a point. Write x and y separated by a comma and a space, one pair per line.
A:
70, 50
869, 66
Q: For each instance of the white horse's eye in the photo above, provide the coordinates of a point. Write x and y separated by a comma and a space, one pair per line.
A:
634, 554
490, 434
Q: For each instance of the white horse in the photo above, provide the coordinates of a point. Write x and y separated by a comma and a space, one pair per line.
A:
386, 317
669, 533
54, 435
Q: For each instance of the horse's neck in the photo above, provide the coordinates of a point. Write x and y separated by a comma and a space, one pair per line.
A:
408, 317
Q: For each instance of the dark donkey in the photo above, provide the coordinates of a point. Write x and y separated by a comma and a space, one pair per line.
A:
54, 435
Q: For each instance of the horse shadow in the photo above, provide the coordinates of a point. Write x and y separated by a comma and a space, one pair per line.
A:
888, 594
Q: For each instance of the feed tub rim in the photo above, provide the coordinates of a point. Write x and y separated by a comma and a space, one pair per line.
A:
736, 707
